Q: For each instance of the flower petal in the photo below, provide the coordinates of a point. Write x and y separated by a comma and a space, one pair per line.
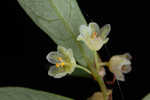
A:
120, 76
63, 52
80, 37
105, 40
52, 57
119, 61
117, 72
57, 72
126, 69
105, 30
85, 31
69, 68
94, 27
127, 56
71, 57
96, 44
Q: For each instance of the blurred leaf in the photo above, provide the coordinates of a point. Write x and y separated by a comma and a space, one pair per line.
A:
147, 97
61, 20
16, 93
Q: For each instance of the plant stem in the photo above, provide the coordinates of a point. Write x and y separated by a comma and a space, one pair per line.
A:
102, 85
104, 64
83, 68
98, 78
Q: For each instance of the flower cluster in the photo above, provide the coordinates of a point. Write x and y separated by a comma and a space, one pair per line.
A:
94, 37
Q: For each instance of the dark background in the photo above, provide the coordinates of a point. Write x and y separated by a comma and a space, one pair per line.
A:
19, 50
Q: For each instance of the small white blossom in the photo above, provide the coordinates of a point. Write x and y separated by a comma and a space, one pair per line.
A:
93, 36
63, 60
119, 65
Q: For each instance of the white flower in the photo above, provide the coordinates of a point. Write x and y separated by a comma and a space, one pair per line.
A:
63, 60
93, 36
120, 64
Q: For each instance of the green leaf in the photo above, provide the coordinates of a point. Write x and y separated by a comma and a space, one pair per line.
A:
79, 73
61, 20
147, 97
16, 93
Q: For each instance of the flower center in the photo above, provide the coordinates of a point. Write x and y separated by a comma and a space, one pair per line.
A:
124, 68
61, 62
93, 35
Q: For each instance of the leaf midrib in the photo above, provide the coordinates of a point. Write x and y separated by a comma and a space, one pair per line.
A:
70, 30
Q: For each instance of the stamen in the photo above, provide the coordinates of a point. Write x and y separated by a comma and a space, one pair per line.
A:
62, 64
94, 35
57, 65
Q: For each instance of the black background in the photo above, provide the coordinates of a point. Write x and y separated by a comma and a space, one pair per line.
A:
19, 50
